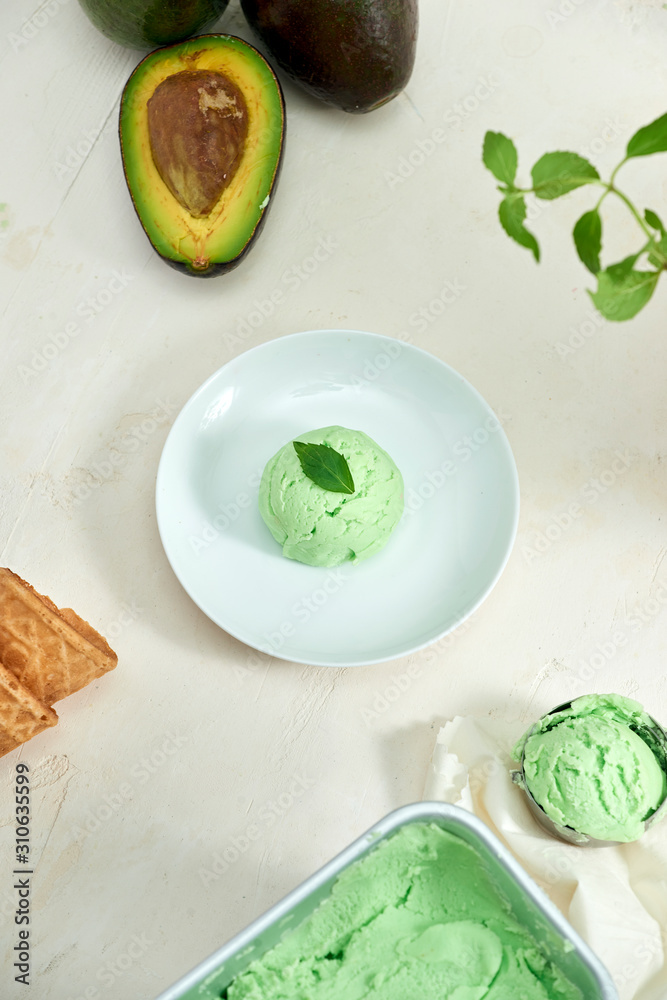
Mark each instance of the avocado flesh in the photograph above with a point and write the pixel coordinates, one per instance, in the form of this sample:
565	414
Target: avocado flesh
145	24
354	54
198	220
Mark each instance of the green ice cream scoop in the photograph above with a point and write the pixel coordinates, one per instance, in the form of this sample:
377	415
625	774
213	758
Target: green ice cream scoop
588	767
325	528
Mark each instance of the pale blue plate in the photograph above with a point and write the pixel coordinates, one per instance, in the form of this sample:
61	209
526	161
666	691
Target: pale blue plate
461	493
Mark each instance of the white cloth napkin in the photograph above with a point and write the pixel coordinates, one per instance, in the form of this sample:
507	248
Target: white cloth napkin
615	897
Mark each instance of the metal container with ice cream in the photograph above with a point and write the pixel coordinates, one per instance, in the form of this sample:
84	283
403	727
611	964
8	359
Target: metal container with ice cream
427	903
595	770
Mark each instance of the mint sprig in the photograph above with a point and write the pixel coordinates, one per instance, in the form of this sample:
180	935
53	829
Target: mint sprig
623	289
325	466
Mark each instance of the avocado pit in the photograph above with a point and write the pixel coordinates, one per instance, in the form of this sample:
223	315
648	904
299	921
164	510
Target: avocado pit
197	128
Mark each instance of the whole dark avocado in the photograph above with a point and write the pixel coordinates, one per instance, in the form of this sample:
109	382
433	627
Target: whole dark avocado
202	124
354	54
147	24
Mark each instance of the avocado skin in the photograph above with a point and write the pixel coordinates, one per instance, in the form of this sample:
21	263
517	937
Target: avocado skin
354	54
149	24
188	48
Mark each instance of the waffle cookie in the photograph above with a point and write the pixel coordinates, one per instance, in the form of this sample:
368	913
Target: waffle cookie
46	653
22	716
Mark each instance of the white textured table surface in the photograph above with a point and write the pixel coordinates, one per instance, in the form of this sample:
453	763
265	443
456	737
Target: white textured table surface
168	762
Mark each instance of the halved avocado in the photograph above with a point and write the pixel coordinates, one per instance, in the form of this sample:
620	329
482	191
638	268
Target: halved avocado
202	125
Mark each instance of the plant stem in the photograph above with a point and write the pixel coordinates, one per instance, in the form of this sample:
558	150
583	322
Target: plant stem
602	197
616	170
633	210
611	187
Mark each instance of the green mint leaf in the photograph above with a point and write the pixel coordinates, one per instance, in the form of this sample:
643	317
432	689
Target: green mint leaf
587	235
649	139
622	298
500	156
326	467
653	221
555	174
512	212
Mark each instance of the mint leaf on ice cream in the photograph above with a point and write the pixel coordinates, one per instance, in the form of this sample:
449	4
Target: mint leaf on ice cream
325	466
